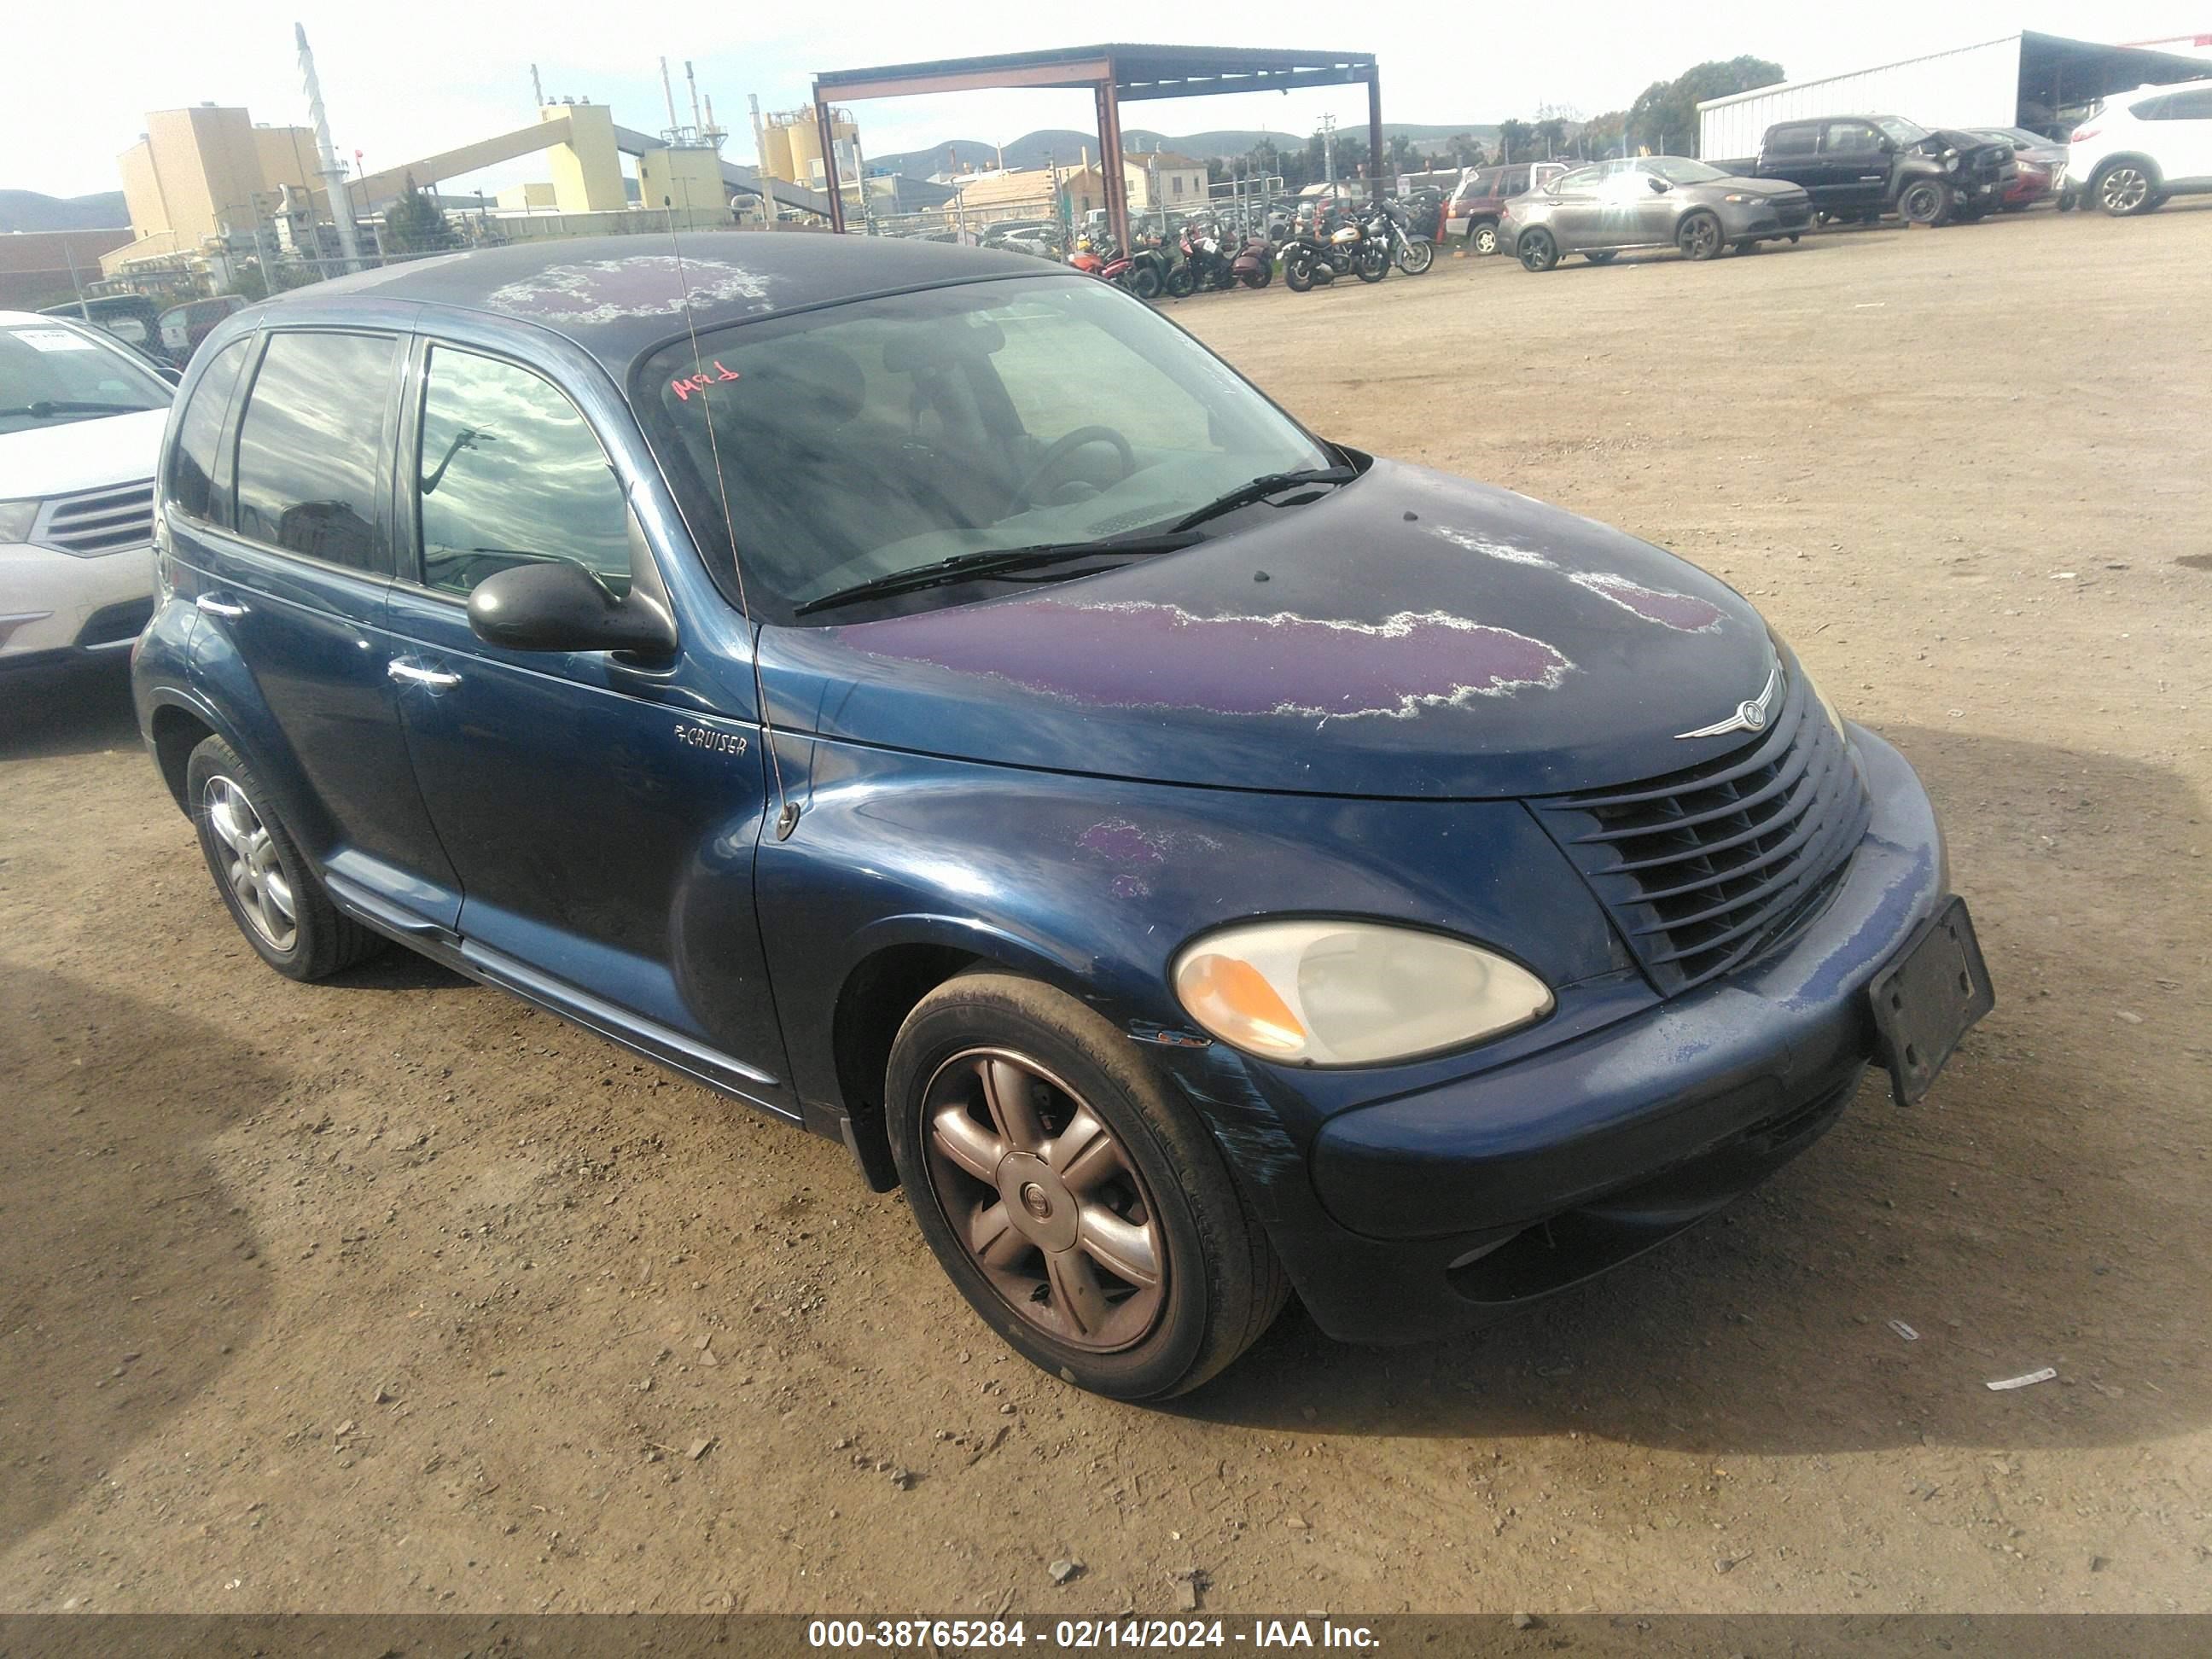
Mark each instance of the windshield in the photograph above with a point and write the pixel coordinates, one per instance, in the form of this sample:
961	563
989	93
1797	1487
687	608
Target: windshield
51	374
1681	170
1904	132
869	438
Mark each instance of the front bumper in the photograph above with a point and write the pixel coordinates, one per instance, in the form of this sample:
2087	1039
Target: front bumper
1436	1209
56	608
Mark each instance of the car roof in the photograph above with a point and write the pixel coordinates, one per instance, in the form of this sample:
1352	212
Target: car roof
618	297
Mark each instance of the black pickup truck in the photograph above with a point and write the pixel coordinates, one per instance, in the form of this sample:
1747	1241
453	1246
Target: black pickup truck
1861	167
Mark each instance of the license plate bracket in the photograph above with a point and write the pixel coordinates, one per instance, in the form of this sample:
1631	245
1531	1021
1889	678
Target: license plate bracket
1927	998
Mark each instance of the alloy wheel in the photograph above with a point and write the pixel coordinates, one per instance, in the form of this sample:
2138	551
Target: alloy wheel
250	864
1045	1199
1485	239
1701	237
2123	189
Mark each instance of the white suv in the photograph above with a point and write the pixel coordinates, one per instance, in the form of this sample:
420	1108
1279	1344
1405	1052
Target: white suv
81	420
2141	147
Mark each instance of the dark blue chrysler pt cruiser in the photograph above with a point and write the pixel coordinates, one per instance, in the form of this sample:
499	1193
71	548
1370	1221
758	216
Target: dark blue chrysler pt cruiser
930	698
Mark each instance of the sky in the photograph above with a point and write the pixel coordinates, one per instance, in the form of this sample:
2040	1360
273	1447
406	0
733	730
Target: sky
405	78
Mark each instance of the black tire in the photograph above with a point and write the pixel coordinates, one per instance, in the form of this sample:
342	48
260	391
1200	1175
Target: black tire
1750	247
2016	206
1372	263
1794	236
1180	284
1297	270
2067	201
1699	236
1415	258
1964	214
1603	256
1925	201
320	941
2124	188
1219	1282
1482	239
1262	276
1144	282
1536	250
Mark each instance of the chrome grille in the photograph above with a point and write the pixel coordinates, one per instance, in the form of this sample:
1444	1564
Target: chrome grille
98	521
1707	868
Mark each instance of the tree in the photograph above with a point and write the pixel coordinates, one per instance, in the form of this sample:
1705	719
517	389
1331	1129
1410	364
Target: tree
1552	133
1466	150
415	224
1514	139
1601	136
1402	158
1664	117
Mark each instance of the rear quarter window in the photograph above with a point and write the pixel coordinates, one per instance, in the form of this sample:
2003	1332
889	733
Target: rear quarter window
310	445
1791	140
191	486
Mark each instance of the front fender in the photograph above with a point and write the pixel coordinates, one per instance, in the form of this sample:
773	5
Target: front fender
1092	885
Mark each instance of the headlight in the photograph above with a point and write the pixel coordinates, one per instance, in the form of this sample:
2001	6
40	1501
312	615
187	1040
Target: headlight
17	518
1351	992
1735	198
1950	161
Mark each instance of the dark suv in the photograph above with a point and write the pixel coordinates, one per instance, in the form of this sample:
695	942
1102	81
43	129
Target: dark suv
926	696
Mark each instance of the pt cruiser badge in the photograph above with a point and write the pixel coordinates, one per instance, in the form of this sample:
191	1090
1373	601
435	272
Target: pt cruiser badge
1748	716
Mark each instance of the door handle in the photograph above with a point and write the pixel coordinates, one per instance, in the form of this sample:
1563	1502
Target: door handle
216	607
411	673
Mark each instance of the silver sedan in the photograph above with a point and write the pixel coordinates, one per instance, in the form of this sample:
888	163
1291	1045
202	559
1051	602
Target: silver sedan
1650	201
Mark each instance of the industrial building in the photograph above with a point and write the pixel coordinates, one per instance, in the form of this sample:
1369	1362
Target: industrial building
2026	80
45	267
1153	181
194	172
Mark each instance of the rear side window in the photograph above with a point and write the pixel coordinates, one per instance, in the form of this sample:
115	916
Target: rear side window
191	484
510	473
1791	140
307	449
2192	105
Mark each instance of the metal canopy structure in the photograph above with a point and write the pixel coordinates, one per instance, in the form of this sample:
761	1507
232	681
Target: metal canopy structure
1114	74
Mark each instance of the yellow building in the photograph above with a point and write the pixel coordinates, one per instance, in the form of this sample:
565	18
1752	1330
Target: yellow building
791	147
1155	180
194	170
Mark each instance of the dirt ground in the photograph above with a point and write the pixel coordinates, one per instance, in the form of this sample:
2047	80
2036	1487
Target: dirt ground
390	1293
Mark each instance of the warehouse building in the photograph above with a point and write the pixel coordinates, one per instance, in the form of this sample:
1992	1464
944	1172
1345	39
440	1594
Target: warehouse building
2026	79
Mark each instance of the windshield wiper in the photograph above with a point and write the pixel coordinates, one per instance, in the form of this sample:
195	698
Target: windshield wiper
995	562
46	410
1259	489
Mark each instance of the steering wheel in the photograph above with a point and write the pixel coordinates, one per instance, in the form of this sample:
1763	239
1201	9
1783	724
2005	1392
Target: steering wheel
1068	446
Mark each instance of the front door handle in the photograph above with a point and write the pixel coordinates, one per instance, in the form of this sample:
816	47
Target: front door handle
216	607
411	673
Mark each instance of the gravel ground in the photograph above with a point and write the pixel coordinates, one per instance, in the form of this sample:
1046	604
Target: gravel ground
390	1293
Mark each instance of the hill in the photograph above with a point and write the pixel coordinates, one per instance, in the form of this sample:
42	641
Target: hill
26	210
1067	145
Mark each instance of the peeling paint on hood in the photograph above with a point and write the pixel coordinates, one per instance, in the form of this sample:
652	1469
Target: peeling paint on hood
1350	646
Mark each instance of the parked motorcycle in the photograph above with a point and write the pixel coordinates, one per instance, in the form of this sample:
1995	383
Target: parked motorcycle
1254	264
1317	258
1210	268
1411	254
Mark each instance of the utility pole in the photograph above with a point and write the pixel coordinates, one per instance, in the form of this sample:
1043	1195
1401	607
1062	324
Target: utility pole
537	90
334	173
1328	155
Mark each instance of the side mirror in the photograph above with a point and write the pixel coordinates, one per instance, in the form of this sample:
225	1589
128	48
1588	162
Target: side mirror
559	606
1886	145
1659	187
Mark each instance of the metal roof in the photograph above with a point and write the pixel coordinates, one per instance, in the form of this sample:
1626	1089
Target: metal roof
619	296
1137	70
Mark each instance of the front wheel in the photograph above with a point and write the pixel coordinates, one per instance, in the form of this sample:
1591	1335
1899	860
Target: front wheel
1483	239
2124	190
265	884
1372	263
1925	201
1699	237
1746	247
1414	258
1603	256
1144	282
1180	284
1082	1211
1536	250
1297	270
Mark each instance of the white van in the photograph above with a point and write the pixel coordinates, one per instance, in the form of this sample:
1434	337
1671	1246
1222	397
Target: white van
80	420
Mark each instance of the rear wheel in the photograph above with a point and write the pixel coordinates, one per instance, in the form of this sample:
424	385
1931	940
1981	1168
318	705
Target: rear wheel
264	882
1180	284
1603	256
1144	281
1085	1214
1925	201
1747	247
1372	263
2124	189
1260	277
1699	237
1536	250
1483	239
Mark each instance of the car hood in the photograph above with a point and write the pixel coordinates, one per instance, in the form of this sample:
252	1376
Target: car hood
68	456
1410	635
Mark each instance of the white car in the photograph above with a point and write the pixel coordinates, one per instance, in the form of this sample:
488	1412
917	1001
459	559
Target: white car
81	420
2139	147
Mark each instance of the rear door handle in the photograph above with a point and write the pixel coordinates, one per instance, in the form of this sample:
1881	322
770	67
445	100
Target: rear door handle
413	673
216	607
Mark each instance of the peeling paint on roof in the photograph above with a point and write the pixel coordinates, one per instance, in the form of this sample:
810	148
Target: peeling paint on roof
1144	654
644	285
